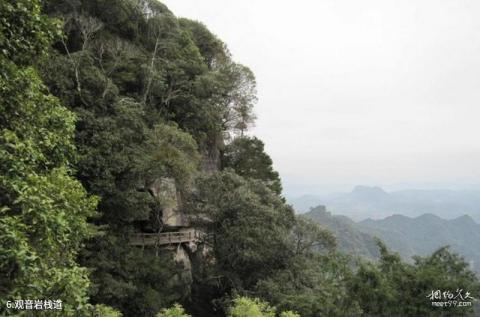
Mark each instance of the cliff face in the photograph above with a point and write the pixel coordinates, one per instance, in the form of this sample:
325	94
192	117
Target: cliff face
155	97
169	200
192	255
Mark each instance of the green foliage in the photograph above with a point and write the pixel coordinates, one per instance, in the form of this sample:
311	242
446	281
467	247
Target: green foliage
43	210
126	67
105	311
110	151
169	152
314	280
395	288
175	311
136	282
260	247
309	235
153	96
289	314
247	157
311	285
24	32
246	307
254	307
149	96
243	215
373	291
132	156
211	48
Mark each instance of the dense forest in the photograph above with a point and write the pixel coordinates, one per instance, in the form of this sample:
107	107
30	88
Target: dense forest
103	100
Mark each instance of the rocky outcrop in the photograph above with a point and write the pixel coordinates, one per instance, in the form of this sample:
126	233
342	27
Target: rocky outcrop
190	255
165	191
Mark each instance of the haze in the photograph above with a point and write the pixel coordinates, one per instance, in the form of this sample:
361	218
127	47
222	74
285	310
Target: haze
359	92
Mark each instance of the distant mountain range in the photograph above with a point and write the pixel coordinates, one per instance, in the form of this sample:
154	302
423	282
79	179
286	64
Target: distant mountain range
407	236
373	202
350	238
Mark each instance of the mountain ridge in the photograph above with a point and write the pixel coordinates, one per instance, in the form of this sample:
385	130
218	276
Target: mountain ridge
373	202
409	236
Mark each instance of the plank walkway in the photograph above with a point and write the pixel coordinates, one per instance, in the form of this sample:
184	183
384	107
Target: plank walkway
165	238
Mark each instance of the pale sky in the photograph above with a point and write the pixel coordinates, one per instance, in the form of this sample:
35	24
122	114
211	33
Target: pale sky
373	92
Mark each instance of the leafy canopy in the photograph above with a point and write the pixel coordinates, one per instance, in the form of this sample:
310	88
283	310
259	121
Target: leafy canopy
247	157
43	209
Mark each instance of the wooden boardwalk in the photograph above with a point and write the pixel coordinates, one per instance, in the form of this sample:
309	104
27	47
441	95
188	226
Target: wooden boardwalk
165	238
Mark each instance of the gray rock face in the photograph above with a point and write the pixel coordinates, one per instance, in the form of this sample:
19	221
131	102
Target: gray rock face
181	257
165	191
183	275
190	255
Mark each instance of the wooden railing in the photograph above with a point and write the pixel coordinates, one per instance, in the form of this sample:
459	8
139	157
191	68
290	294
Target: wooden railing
163	238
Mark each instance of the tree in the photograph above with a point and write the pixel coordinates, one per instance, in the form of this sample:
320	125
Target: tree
374	291
247	157
442	270
251	226
289	314
241	98
246	307
260	247
308	236
212	49
395	288
135	67
175	311
105	311
315	280
169	152
24	33
254	307
43	209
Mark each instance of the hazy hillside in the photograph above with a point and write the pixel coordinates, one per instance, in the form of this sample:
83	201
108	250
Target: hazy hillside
304	203
424	234
349	238
373	202
408	236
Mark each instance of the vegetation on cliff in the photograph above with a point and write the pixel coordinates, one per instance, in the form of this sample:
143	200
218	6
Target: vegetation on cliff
43	209
128	94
